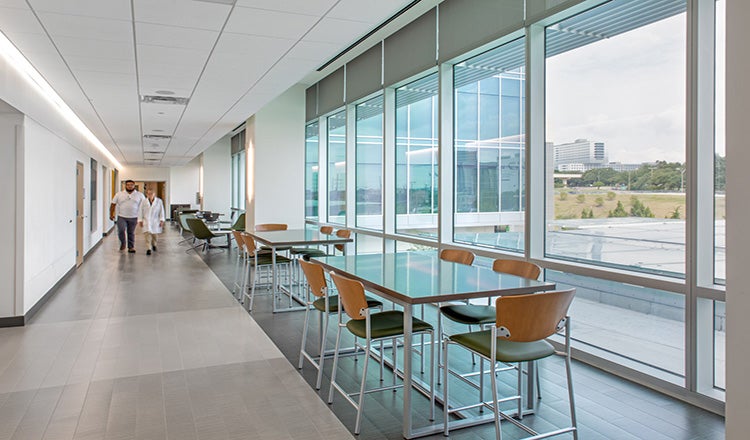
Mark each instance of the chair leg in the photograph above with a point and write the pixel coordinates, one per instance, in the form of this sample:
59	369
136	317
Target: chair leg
335	365
571	397
520	387
361	402
322	358
446	402
481	381
495	409
304	337
432	375
439	343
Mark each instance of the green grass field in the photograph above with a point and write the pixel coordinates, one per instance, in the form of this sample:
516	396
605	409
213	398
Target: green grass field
662	205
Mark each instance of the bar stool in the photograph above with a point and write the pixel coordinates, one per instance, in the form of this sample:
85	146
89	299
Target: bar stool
326	304
372	327
523	322
239	267
257	259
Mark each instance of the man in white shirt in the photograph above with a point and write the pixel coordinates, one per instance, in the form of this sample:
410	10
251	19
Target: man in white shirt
125	205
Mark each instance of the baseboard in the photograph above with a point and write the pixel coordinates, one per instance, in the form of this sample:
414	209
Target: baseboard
50	293
12	321
93	248
108	231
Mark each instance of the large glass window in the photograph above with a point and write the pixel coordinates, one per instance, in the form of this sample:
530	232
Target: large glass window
369	175
720	175
615	120
337	167
489	148
311	170
653	339
416	157
239	166
720	338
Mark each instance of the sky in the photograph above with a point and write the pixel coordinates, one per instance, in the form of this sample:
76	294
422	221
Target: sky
627	91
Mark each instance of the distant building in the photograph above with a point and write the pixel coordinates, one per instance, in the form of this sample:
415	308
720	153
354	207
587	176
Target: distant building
581	155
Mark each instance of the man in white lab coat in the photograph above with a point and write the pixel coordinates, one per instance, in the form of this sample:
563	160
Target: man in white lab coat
151	219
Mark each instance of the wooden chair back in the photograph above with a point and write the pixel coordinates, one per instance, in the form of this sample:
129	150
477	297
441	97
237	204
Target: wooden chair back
351	295
532	317
342	233
457	256
315	277
271	227
328	230
250	246
519	268
238	239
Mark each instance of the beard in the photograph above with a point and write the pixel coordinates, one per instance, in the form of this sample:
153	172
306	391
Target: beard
129	190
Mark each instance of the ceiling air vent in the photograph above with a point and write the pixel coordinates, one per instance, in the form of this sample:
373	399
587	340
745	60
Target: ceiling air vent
157	137
155	99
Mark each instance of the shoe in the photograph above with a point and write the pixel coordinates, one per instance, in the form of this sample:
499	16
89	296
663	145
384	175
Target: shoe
131	251
122	247
148	252
154	248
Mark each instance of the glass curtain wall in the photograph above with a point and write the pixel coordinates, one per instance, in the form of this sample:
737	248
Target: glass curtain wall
720	178
337	168
369	175
489	144
416	157
615	117
312	134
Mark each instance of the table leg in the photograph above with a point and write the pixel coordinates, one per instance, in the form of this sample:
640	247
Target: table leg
273	277
407	370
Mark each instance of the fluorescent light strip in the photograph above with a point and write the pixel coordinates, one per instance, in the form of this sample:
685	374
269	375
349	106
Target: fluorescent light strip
11	54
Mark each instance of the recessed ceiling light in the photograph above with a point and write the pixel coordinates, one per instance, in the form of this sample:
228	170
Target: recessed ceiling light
158	131
165	92
159	113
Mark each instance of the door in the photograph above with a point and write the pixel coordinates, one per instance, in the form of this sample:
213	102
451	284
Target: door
79	213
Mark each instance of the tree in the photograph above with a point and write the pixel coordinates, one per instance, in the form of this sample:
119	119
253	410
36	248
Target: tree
619	211
676	213
611	195
563	195
581	198
599	201
638	209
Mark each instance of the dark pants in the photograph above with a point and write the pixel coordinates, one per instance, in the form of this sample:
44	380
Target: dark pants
126	224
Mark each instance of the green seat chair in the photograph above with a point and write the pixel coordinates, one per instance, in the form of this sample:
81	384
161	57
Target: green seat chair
325	304
522	325
201	232
255	261
372	327
239	224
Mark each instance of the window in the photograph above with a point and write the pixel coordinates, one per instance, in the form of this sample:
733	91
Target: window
720	178
720	336
653	341
311	170
489	148
337	168
369	175
615	118
239	166
416	157
92	199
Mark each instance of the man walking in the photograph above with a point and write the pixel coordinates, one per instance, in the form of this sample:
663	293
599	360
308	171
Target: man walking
125	206
151	219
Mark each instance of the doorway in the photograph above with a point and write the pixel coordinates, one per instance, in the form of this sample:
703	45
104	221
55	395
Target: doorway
79	213
160	188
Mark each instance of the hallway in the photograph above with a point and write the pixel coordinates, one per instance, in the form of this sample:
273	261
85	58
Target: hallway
151	347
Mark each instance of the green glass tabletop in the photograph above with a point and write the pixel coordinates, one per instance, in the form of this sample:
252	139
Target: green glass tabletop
422	277
295	237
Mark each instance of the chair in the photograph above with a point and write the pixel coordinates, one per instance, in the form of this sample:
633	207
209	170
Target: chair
239	224
256	259
182	217
371	327
308	252
342	233
472	314
326	304
241	256
457	256
523	322
201	232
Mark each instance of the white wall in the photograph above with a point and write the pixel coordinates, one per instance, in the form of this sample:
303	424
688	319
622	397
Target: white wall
9	123
279	141
49	252
183	183
217	177
738	216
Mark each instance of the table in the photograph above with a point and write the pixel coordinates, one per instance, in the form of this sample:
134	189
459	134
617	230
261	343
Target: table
292	237
414	278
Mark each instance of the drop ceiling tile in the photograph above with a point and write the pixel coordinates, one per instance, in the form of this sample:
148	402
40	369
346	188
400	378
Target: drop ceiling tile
191	14
308	7
334	30
190	59
269	23
117	9
18	4
87	27
14	20
313	50
106	50
78	64
173	36
254	46
89	79
370	12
